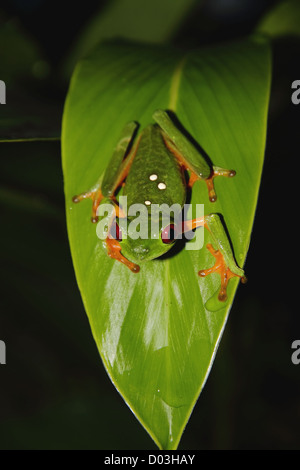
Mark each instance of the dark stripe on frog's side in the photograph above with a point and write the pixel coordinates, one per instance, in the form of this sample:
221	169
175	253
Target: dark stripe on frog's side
153	158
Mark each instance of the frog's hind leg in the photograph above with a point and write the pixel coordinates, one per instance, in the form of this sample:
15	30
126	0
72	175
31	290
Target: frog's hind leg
205	173
95	195
115	173
188	155
216	171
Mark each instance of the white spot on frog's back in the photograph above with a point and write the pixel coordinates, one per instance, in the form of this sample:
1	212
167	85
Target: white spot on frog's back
161	185
147	203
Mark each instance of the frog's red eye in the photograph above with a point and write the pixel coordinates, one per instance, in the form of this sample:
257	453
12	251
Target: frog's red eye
116	232
168	234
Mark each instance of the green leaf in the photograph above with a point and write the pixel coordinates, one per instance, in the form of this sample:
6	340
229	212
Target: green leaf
158	331
282	20
151	21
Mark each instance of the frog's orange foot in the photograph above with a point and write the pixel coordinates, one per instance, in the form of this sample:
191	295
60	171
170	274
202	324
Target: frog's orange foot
114	251
216	171
96	196
221	268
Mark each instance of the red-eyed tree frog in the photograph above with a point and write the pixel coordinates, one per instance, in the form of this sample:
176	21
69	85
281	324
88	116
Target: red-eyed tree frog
151	169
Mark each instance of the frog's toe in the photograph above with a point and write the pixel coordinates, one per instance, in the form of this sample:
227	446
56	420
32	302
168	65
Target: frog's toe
96	196
216	171
223	270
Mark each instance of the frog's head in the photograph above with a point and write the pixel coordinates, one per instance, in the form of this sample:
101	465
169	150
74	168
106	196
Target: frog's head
147	245
137	239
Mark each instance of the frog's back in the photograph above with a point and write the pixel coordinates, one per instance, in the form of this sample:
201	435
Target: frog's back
155	175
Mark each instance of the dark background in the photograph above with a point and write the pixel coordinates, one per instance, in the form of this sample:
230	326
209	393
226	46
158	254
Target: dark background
54	391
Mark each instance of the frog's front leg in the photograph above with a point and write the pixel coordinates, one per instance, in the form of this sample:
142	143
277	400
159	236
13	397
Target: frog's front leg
225	264
113	235
115	173
114	251
188	155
